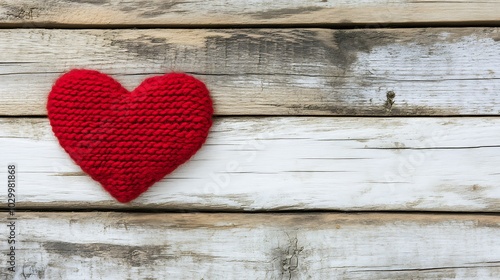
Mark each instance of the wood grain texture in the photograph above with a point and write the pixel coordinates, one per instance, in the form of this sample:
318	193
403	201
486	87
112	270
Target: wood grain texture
393	72
57	13
287	163
255	246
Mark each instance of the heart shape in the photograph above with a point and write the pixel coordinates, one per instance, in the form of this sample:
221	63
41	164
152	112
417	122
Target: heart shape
125	140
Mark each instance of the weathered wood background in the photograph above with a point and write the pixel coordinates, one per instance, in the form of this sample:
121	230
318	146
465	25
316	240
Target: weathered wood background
321	106
272	71
175	13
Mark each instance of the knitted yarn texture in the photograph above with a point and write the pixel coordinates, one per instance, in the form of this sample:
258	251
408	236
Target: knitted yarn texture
125	140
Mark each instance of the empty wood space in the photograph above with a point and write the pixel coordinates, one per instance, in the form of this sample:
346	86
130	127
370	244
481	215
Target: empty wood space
288	163
103	245
351	140
158	13
369	72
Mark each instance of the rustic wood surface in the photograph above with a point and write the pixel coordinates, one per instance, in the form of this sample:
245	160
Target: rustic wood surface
255	246
288	163
80	13
308	120
382	72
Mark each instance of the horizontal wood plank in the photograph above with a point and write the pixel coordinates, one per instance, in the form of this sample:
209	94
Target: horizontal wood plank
395	72
287	163
58	13
253	246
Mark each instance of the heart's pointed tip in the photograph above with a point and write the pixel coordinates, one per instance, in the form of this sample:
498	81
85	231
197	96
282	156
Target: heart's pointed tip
124	198
122	195
124	201
124	191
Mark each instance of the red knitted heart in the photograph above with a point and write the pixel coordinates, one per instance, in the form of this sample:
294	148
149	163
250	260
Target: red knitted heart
125	140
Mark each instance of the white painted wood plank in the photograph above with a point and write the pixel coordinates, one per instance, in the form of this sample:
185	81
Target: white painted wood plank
287	163
50	13
254	246
272	71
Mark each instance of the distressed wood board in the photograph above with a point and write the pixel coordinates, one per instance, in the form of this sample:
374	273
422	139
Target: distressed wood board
379	72
287	163
79	13
270	163
254	246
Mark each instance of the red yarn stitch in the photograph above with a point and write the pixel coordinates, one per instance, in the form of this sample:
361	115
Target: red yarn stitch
125	140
